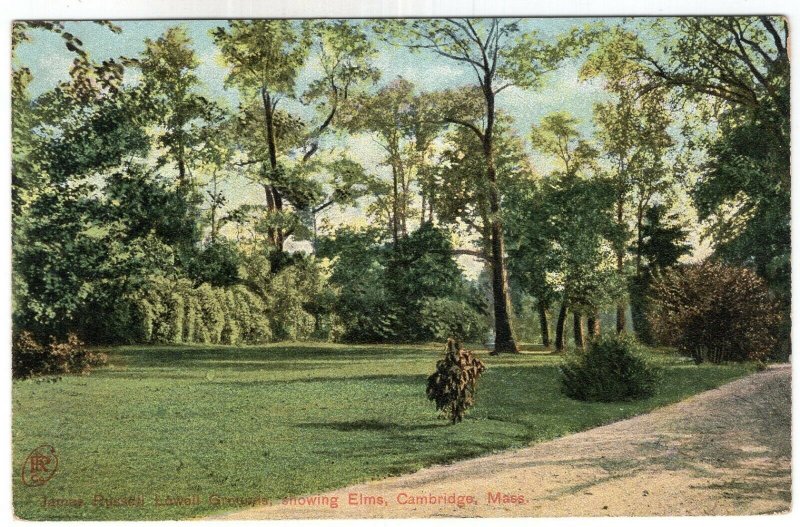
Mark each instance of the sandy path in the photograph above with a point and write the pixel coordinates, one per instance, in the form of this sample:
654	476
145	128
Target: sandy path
725	451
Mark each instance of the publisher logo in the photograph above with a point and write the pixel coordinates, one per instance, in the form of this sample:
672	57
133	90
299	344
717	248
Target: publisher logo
40	466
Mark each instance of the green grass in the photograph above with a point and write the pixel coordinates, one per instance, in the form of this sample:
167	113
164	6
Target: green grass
285	420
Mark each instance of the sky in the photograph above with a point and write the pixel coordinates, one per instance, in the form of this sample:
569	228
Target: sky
49	62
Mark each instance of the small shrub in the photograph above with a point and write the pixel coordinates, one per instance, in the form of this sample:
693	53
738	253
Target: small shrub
31	359
452	385
714	313
609	371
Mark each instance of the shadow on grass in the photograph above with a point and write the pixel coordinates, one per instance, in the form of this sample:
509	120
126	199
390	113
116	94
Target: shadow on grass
372	425
276	357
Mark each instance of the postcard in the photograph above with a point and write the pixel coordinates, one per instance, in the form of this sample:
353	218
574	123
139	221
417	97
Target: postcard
322	268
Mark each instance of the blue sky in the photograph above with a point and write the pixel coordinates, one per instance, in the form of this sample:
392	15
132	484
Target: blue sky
49	62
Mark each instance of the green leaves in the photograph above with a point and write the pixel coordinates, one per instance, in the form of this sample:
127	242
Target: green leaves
345	54
558	136
263	54
610	371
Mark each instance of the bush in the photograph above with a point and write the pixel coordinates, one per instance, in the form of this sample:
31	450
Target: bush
452	385
30	359
609	371
714	312
443	318
286	300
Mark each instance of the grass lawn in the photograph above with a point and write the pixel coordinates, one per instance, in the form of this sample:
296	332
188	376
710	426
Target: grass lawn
281	420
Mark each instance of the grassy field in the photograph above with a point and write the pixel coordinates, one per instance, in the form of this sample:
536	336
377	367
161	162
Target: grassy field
282	420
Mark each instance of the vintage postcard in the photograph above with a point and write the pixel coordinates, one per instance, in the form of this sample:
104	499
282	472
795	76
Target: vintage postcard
320	268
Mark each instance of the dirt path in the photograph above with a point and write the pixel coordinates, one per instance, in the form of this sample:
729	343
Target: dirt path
722	452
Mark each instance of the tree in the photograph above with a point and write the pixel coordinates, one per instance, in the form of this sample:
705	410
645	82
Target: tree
420	269
733	71
409	291
265	57
87	80
561	229
559	137
500	57
662	244
632	130
398	117
169	82
561	235
358	274
73	260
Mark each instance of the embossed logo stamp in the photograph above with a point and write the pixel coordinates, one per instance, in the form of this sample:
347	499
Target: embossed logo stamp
40	466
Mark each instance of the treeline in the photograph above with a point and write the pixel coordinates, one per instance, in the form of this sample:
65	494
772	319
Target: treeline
125	226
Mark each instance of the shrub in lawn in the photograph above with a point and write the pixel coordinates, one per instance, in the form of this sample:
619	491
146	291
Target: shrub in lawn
611	370
30	359
714	312
452	385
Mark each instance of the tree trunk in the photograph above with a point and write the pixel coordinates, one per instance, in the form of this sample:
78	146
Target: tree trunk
593	323
181	169
561	323
620	270
274	200
404	199
395	205
213	224
639	238
543	324
621	308
577	330
504	334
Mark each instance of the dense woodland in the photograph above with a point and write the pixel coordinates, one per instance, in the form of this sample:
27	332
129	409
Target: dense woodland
124	229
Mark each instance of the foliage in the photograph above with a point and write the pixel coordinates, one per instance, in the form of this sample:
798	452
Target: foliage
611	370
31	359
745	194
500	56
714	312
732	72
561	229
298	298
421	265
452	386
186	121
216	263
174	311
265	58
663	243
110	170
403	124
443	318
411	291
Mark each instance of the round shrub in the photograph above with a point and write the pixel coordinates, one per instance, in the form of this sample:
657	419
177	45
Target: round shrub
610	370
452	385
714	312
